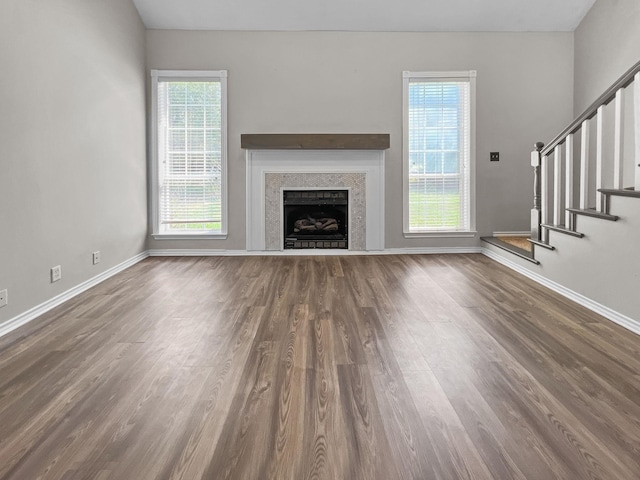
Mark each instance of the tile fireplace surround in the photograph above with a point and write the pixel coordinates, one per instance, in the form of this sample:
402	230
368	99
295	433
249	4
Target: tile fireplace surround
271	170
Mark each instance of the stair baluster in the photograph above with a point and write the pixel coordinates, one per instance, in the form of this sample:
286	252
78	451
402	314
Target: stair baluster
584	165
557	185
636	108
618	142
599	157
568	188
536	218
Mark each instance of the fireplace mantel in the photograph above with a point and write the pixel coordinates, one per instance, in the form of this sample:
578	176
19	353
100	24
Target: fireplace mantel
315	141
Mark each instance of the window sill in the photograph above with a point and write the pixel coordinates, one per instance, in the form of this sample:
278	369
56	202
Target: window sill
189	236
436	234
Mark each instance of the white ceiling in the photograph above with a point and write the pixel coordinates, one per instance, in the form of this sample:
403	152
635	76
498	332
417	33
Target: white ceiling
366	15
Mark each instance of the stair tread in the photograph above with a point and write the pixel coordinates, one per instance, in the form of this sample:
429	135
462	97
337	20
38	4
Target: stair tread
592	212
519	252
562	229
625	192
542	244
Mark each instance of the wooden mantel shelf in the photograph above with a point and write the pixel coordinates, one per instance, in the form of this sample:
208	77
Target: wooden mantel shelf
315	141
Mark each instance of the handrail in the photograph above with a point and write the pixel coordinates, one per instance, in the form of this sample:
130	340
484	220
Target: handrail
590	112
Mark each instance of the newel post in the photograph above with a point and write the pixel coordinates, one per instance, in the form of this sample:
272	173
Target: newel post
536	163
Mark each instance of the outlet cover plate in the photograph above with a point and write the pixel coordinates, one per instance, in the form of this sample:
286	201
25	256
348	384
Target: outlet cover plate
96	257
494	156
4	297
56	273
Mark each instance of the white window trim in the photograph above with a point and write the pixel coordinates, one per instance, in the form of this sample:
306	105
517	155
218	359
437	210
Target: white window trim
217	75
469	75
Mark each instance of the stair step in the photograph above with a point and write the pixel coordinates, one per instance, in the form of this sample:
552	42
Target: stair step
627	192
542	244
519	252
561	229
592	212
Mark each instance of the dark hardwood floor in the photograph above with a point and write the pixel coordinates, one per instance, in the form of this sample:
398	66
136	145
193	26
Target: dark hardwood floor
351	367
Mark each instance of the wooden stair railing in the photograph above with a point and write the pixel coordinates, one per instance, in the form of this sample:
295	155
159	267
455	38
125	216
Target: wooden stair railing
571	155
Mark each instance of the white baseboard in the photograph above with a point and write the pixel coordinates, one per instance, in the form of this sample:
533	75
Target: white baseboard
430	250
190	252
38	310
622	320
307	252
616	317
44	307
511	234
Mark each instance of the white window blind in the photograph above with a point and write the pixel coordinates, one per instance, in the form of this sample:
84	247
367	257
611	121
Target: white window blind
191	150
437	152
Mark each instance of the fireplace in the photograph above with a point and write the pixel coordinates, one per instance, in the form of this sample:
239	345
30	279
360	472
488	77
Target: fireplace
315	219
358	172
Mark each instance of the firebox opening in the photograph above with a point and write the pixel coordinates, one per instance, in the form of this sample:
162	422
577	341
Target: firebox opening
315	219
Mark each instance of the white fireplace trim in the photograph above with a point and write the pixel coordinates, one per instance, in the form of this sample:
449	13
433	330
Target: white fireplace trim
368	162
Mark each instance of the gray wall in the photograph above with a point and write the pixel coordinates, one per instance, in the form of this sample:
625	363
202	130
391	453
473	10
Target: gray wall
72	143
320	82
607	44
605	265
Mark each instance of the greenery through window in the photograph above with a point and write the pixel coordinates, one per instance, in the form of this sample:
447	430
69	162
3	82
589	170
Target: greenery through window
437	154
190	155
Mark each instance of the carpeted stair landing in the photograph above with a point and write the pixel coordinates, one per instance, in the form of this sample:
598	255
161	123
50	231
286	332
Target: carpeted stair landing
519	246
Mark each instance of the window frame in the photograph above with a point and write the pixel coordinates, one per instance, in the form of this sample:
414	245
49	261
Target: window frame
470	77
158	76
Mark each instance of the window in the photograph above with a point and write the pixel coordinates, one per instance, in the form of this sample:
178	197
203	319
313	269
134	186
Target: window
438	152
189	154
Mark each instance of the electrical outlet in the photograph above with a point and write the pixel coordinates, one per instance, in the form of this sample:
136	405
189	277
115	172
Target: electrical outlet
56	273
4	297
494	156
96	257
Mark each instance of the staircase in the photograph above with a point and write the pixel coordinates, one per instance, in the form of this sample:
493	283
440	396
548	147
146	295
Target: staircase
596	158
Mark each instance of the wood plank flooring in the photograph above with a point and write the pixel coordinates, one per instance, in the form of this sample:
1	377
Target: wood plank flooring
320	367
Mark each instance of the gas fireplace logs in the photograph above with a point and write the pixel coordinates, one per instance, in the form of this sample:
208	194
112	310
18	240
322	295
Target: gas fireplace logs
310	224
